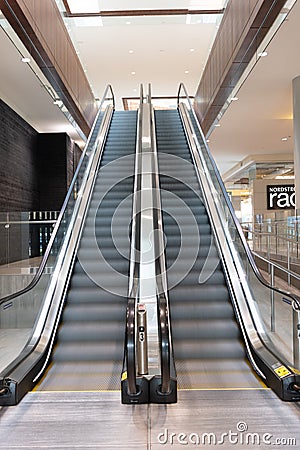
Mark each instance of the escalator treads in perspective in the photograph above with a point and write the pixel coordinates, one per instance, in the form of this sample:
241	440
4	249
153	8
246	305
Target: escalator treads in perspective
208	350
88	352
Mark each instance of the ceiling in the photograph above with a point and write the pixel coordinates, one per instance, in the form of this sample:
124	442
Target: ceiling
163	51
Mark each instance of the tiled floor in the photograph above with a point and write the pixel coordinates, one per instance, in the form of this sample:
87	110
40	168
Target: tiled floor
252	419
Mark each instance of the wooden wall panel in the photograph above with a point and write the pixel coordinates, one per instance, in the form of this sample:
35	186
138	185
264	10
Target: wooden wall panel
42	30
244	25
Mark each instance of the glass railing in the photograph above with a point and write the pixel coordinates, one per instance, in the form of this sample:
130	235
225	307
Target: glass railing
24	238
21	314
277	309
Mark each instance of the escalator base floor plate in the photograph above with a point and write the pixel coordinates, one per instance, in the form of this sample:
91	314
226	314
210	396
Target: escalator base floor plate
83	376
212	374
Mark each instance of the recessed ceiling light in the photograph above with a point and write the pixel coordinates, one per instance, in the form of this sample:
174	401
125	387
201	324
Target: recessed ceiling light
217	125
262	54
132	73
90	6
284	139
25	59
130	51
186	71
234	99
192	49
58	102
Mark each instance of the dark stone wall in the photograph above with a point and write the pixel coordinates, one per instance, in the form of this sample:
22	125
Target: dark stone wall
36	170
18	169
52	169
58	157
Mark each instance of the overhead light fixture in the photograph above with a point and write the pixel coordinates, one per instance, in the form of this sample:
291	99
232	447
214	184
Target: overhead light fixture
262	54
217	125
192	49
186	71
284	139
88	6
234	99
130	51
25	59
58	102
132	73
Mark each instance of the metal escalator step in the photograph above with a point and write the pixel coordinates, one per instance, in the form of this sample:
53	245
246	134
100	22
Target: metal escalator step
184	329
91	266
102	220
198	293
105	277
184	213
212	278
209	349
89	351
204	251
106	253
94	312
197	260
203	229
87	331
201	310
96	295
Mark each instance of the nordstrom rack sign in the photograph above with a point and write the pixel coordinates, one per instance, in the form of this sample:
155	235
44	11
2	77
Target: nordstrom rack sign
281	196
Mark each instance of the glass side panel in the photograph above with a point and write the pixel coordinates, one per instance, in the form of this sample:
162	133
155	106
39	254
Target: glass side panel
20	312
24	238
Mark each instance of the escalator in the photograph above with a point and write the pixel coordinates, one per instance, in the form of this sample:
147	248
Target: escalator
219	340
90	341
207	344
143	169
76	304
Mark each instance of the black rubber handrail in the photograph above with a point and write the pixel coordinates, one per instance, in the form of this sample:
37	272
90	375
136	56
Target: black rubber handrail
87	148
296	300
163	309
134	270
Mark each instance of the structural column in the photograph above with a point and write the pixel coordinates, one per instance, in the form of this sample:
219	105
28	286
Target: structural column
296	125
